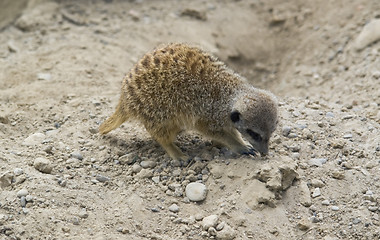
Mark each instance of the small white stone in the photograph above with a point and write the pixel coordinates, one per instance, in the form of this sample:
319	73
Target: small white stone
335	208
326	202
18	171
196	191
317	161
43	165
22	193
148	164
44	76
34	139
209	221
174	208
316	192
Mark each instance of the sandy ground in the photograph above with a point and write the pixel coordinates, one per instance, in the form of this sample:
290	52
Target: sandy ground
61	66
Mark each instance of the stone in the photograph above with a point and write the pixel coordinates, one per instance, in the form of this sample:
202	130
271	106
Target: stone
43	165
326	202
317	161
102	178
210	221
220	226
76	154
83	214
128	159
286	130
316	193
6	179
227	233
34	139
156	179
174	208
196	191
369	34
337	174
335	208
136	168
23	201
304	198
144	173
148	164
317	183
22	193
44	76
303	224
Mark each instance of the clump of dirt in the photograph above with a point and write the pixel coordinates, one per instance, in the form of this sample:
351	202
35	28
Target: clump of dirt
62	63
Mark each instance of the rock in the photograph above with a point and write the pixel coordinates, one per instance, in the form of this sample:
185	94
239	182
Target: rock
369	34
326	202
196	191
303	224
128	159
227	233
145	173
4	120
317	161
76	154
376	74
338	174
43	165
6	179
286	130
304	198
22	193
102	178
44	76
136	168
209	221
148	164
23	201
174	208
34	139
18	171
12	47
156	179
335	208
317	183
83	214
316	193
220	226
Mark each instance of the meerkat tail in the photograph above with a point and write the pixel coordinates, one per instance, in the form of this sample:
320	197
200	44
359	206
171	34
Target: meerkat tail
118	118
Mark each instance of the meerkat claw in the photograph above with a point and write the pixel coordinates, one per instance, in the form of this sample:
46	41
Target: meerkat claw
250	151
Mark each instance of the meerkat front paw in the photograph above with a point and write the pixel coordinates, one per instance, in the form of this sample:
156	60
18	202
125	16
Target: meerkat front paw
249	151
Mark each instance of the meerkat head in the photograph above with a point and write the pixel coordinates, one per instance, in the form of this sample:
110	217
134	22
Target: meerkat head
254	115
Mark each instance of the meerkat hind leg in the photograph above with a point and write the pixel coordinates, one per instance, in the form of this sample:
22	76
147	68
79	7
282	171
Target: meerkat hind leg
165	137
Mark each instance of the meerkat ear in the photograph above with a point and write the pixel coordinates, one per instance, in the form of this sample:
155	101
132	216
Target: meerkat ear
235	116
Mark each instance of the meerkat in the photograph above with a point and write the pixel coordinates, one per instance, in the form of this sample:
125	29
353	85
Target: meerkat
179	87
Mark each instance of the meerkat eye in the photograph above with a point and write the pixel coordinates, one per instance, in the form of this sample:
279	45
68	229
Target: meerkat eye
235	116
254	135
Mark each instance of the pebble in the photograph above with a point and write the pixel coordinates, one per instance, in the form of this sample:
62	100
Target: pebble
196	191
156	179
369	34
317	161
34	139
6	179
227	233
347	136
286	130
128	159
43	165
303	224
102	178
317	183
329	114
209	221
376	74
18	171
174	208
338	174
326	202
83	214
22	193
23	201
148	164
136	168
335	208
373	208
316	193
220	226
76	154
44	76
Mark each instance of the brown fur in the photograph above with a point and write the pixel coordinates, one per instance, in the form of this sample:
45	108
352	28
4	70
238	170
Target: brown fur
178	87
